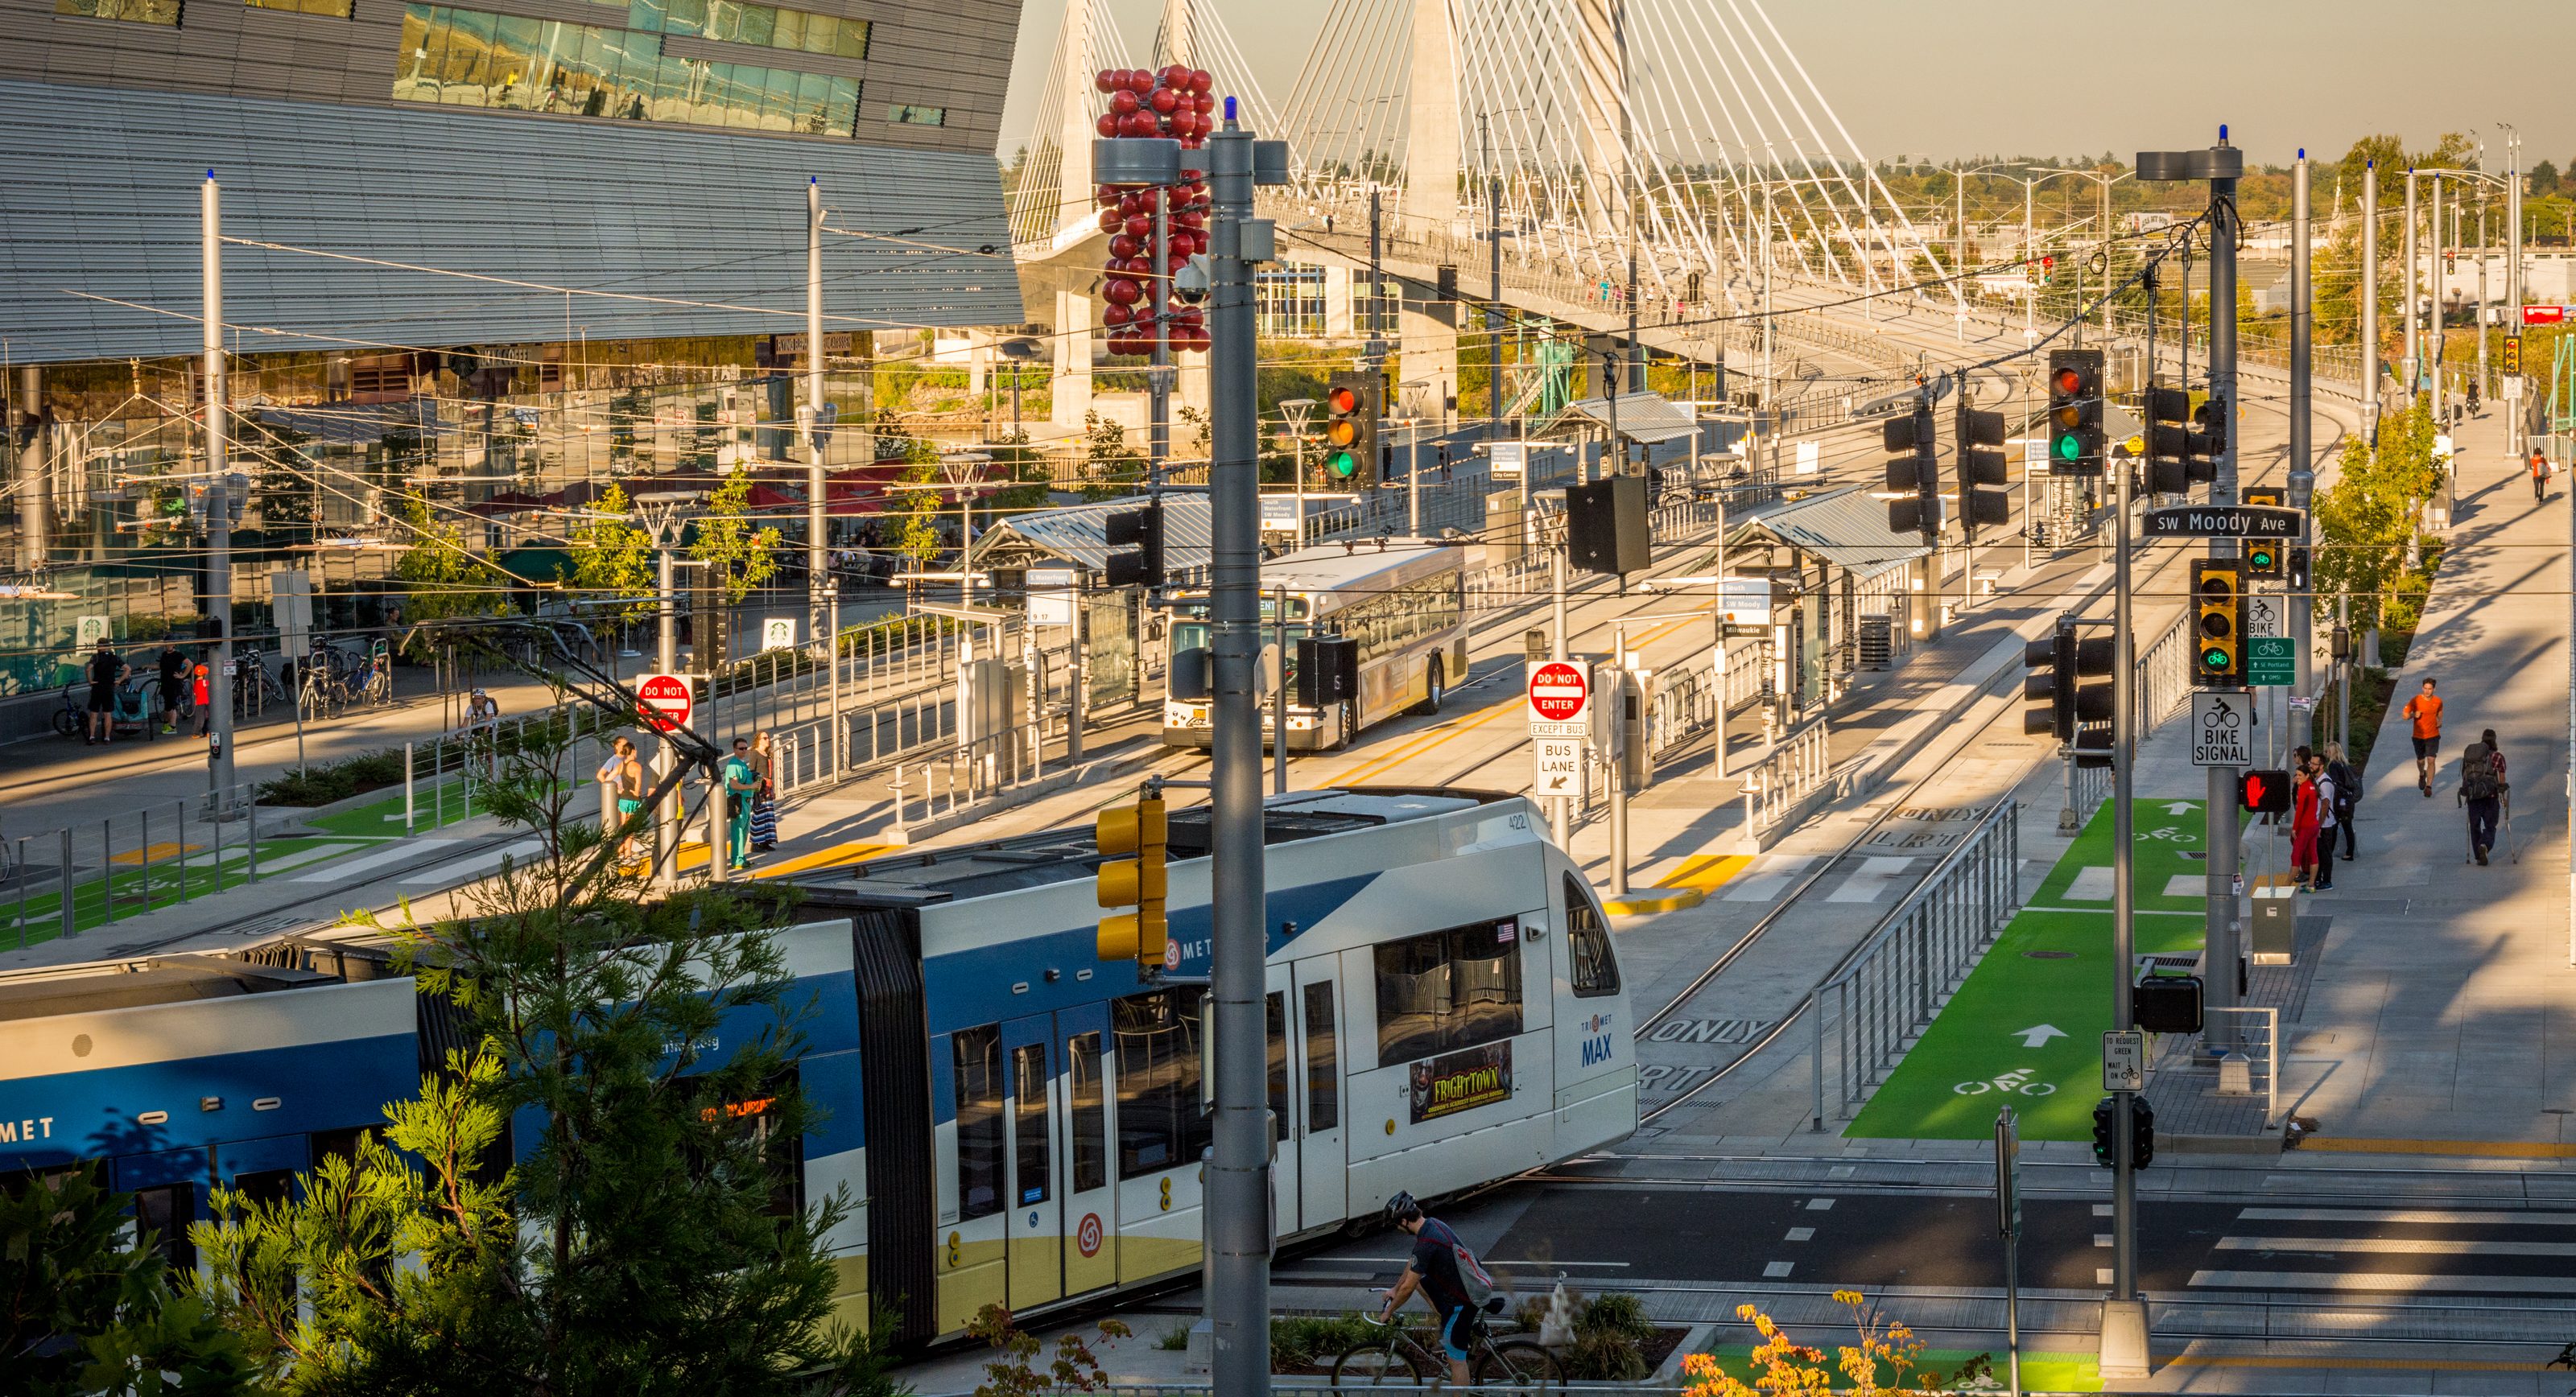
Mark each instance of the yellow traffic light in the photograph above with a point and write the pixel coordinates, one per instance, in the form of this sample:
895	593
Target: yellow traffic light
2218	598
1131	840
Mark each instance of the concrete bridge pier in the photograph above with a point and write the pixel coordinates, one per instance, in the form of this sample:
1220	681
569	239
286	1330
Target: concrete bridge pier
1072	383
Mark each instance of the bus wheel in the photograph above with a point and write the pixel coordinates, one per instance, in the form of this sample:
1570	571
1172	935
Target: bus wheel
1432	691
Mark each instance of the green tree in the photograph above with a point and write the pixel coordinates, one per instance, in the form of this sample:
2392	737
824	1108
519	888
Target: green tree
741	556
2370	522
648	1240
612	559
1113	468
70	1268
442	578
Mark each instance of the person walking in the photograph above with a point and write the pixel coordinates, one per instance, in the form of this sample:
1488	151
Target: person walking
2424	711
2539	477
201	691
105	671
741	785
2347	790
2303	829
2321	860
174	667
764	802
2482	794
622	778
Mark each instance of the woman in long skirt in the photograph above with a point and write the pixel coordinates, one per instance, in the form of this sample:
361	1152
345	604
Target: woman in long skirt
764	806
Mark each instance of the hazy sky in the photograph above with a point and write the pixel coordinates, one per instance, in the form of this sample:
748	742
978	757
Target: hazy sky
1976	77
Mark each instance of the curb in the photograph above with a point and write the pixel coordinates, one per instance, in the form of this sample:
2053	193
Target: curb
1653	900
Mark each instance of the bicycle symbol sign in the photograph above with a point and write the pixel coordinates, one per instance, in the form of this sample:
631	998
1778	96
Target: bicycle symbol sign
2021	1081
2218	729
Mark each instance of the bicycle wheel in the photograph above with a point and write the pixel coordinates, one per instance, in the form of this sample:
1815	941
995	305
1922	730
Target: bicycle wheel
1378	1363
67	721
1517	1365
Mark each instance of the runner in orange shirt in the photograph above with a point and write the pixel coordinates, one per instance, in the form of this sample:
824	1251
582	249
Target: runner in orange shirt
2426	711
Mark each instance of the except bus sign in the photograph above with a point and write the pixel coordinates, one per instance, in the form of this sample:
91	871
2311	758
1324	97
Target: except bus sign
1558	693
2544	315
663	701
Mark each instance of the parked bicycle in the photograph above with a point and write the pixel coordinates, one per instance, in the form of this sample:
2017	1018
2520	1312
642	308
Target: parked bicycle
132	714
1397	1357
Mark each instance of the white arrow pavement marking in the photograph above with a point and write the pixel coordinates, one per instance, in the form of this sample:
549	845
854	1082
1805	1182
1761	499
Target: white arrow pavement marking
2180	807
2038	1037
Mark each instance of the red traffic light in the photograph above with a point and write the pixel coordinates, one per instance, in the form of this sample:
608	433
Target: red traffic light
2264	792
2070	382
1342	400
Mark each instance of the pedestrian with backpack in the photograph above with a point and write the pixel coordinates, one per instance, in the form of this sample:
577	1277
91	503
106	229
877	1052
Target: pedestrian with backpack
2321	860
2303	827
2347	789
2482	792
1453	1283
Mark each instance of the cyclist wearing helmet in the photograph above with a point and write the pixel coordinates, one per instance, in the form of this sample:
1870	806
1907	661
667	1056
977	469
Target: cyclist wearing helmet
1433	1271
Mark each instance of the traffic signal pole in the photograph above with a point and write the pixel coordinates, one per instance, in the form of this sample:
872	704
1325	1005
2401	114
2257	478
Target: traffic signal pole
2223	836
1238	1226
219	507
2125	1304
2303	473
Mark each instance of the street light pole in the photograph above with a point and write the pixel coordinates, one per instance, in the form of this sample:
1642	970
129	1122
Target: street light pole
815	568
2370	301
2303	474
2414	340
219	504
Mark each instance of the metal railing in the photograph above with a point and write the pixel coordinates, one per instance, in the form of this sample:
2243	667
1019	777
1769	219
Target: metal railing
1898	978
2163	682
2262	1060
1783	775
69	880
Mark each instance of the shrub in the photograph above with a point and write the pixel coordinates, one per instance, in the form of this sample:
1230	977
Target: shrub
1610	1334
1299	1340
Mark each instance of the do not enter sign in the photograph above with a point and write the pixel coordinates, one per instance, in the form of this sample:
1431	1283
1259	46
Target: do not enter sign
664	701
1558	693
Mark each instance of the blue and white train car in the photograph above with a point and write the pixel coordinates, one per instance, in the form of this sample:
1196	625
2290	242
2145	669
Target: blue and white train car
1021	1122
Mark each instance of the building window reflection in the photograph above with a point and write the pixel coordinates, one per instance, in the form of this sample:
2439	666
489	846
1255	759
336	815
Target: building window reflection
469	58
131	11
763	26
906	114
337	9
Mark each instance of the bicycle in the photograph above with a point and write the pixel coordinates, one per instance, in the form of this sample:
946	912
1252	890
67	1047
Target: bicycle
1400	1359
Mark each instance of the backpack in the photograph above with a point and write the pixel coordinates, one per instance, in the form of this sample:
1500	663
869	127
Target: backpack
1472	1276
2477	773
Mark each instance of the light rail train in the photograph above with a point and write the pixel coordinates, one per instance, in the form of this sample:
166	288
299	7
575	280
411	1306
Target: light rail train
1020	1123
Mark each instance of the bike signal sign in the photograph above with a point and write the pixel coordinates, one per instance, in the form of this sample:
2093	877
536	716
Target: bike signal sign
1558	693
663	700
2218	729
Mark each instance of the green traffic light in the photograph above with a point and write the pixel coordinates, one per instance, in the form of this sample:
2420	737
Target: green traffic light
1343	464
2213	659
2068	447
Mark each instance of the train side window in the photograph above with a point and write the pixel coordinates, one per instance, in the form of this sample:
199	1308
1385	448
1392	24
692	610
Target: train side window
1160	1125
1090	1113
161	1218
1029	1122
1323	1063
1446	990
1594	967
979	1121
1277	1033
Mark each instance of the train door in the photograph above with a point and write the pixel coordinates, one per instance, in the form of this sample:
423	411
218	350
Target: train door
1322	1166
976	1198
1285	1190
1033	1224
1090	1206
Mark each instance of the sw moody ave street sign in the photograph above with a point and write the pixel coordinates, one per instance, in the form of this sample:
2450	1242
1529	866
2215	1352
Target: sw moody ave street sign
2223	521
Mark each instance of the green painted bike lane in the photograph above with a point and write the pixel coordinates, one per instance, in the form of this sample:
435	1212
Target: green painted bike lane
2026	1028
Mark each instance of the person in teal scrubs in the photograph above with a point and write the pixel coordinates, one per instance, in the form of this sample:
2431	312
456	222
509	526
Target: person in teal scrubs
742	783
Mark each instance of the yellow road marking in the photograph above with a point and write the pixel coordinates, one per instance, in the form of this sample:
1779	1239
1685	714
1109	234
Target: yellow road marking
1706	872
155	852
854	852
2501	1149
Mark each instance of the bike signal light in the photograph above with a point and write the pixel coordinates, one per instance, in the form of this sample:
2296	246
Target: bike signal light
2262	557
2075	440
2264	792
1132	840
2218	608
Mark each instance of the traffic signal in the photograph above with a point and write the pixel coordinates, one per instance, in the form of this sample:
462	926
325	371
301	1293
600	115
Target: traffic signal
2166	1003
2142	1131
2075	442
1328	670
2218	606
1980	449
2263	792
1350	428
2513	354
1141	529
1913	474
2263	556
1131	840
1606	529
2179	456
2060	665
2295	567
2041	270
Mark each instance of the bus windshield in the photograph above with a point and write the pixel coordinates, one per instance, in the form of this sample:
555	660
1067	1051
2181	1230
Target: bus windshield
1193	634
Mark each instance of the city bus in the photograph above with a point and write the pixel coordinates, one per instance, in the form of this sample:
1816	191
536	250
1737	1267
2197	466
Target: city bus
1402	599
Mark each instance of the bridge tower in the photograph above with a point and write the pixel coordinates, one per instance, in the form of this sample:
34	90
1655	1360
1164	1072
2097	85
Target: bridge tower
1426	327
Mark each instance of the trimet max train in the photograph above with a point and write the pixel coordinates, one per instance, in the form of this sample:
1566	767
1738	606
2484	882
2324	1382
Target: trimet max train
1020	1122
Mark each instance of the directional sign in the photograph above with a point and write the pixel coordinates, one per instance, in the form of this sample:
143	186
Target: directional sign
2271	661
1558	693
2218	729
664	701
1558	766
2037	1035
2124	1060
2223	521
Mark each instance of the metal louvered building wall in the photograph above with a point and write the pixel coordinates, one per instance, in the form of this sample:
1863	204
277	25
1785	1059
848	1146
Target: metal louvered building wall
107	128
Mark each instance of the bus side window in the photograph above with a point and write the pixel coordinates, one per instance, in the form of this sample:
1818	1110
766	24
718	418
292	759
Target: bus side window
979	1121
1592	965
